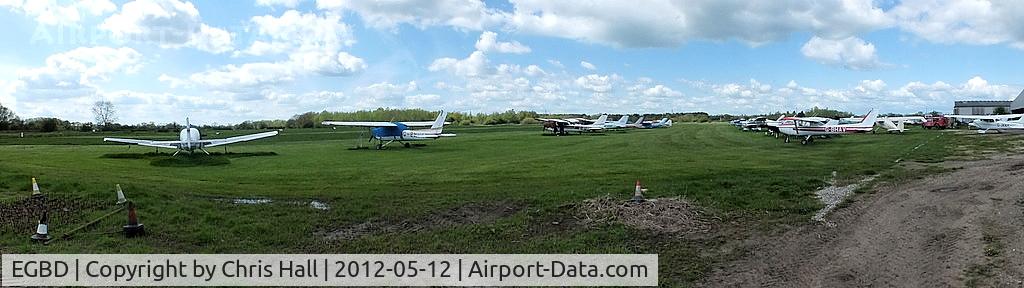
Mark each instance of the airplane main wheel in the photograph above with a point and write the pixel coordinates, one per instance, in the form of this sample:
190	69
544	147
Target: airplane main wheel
380	146
803	142
787	140
407	145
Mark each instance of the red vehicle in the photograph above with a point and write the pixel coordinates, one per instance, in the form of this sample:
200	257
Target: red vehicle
937	122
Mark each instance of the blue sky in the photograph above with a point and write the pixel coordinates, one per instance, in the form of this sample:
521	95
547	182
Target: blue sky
225	62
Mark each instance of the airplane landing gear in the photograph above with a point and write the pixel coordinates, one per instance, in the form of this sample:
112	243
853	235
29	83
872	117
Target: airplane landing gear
407	145
807	140
787	139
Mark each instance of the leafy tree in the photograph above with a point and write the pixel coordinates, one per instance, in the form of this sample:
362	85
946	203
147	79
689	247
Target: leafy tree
8	120
1000	111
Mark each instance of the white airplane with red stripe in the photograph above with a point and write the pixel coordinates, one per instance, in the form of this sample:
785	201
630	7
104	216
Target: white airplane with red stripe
808	127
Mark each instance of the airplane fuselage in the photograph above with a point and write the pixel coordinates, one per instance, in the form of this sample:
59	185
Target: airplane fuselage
793	130
189	138
402	133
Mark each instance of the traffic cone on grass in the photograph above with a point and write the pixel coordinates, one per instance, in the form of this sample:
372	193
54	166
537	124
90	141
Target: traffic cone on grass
35	189
134	228
120	195
638	193
42	230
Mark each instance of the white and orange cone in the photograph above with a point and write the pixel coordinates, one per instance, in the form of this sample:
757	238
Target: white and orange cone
638	193
120	195
42	230
35	189
134	228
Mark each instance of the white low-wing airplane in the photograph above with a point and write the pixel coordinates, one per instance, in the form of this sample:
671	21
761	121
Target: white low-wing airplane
808	127
189	139
387	132
898	124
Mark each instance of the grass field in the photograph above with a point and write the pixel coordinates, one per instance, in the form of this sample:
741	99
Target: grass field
735	175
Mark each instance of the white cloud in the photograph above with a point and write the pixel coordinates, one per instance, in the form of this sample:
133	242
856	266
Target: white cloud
50	12
465	14
313	45
597	83
285	3
556	63
851	53
168	23
386	94
488	42
587	65
246	77
75	72
476	64
665	23
979	22
870	86
534	71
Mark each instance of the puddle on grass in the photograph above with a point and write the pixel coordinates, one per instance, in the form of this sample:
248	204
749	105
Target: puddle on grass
314	204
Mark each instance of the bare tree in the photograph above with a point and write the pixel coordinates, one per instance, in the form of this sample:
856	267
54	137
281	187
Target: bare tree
105	113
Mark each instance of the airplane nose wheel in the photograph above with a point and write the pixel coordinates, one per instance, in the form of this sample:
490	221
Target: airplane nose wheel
407	145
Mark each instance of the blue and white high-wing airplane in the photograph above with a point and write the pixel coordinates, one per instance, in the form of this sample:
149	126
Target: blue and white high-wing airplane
387	132
189	140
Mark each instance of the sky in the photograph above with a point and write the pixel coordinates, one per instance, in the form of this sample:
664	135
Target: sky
230	61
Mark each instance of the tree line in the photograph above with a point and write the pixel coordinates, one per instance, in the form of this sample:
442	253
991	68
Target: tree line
105	115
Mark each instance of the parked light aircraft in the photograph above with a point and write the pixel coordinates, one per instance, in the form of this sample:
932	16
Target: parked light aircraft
663	123
638	124
622	123
189	140
1000	126
564	126
387	132
807	127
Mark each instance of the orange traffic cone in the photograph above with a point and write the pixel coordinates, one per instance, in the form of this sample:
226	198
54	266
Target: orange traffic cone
42	230
134	228
120	195
638	194
35	189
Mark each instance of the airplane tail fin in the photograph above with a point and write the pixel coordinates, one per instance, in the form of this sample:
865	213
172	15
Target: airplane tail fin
668	123
624	120
439	122
870	119
639	121
902	125
601	120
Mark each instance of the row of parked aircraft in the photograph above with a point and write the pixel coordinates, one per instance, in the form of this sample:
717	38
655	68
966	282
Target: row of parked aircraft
808	128
601	124
190	140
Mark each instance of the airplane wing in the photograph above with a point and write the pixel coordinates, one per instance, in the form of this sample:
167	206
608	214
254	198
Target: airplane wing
422	123
221	142
986	117
361	124
812	119
148	143
553	120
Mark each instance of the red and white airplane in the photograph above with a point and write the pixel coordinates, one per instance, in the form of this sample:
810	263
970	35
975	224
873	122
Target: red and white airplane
808	127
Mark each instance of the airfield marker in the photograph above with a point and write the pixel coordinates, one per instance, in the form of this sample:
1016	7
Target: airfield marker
35	189
42	234
120	195
134	228
638	193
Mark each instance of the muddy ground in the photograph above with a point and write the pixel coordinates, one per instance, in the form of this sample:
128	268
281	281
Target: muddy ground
963	228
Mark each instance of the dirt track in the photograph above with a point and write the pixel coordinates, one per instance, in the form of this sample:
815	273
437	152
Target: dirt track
962	228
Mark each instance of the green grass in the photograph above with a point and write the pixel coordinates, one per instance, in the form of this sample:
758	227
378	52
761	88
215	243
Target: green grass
736	175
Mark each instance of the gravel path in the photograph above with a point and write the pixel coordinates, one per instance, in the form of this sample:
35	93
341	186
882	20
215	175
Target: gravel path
963	228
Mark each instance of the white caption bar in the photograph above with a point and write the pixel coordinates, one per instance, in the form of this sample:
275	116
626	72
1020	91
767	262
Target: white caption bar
329	270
